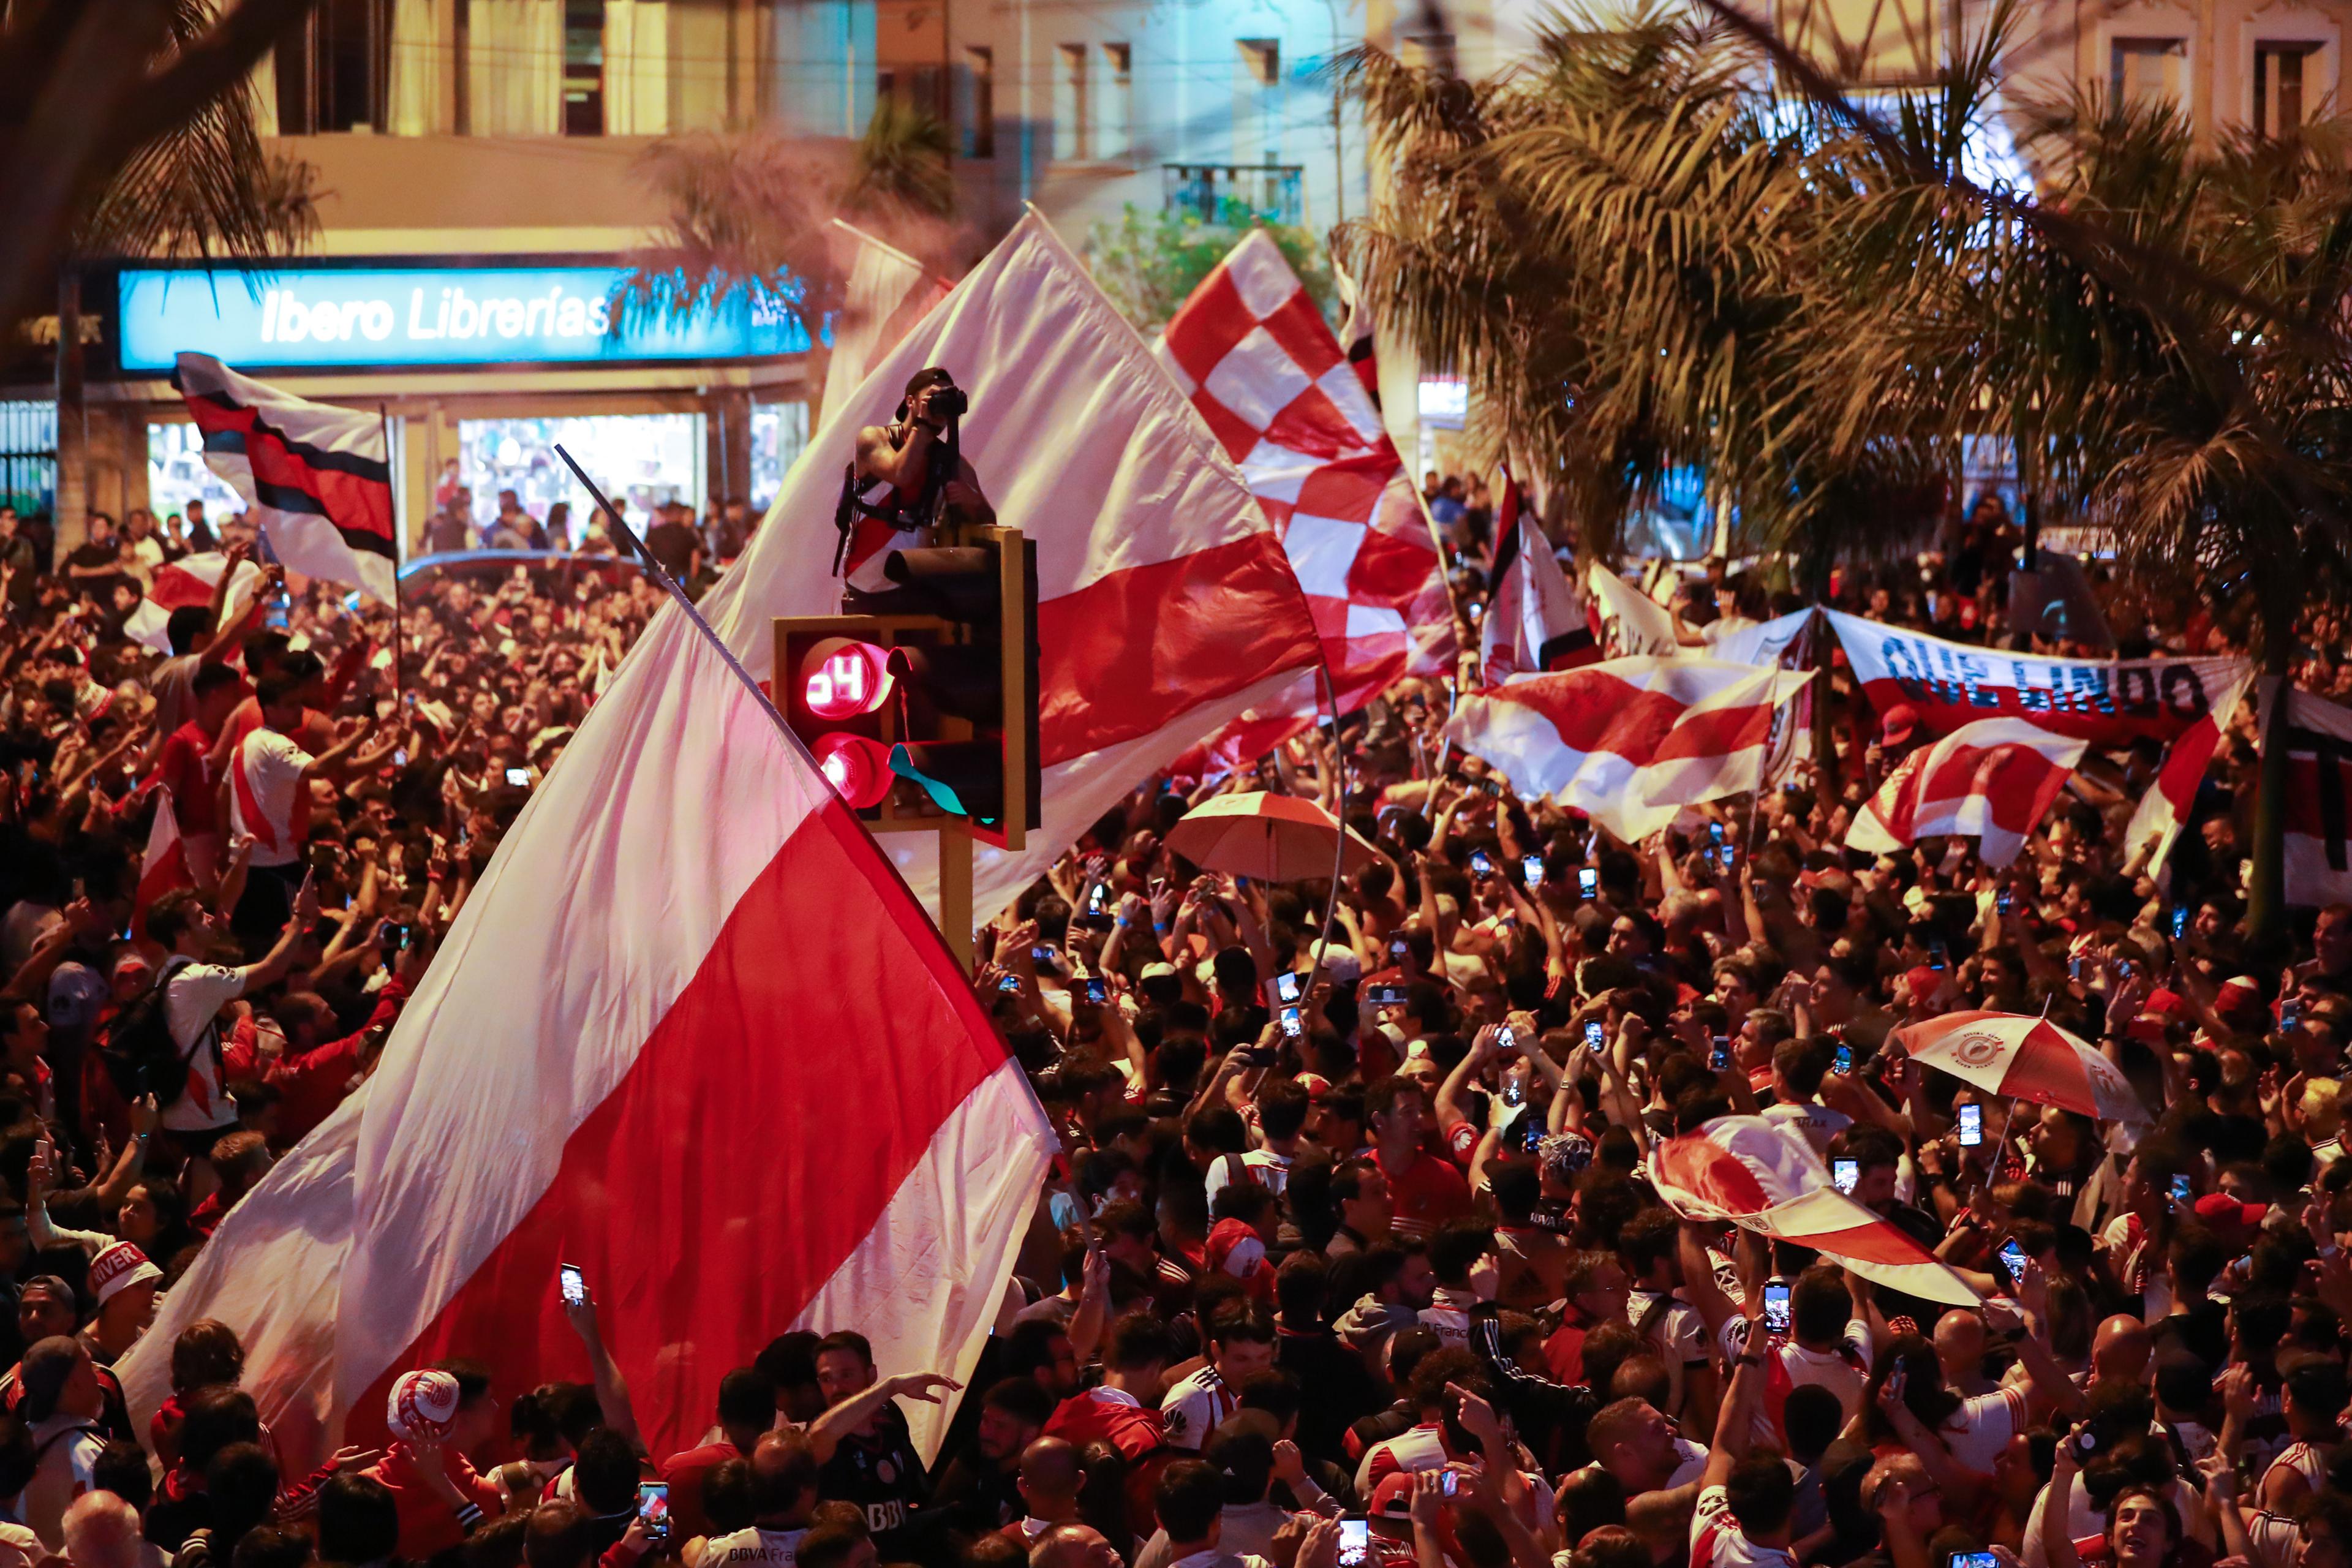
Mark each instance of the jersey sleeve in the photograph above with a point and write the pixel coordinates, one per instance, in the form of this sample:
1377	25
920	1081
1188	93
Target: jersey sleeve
1713	1512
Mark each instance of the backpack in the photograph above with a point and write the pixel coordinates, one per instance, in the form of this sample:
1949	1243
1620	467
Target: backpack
138	1053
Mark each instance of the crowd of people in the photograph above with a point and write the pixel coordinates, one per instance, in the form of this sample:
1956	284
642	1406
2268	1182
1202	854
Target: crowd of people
1352	1255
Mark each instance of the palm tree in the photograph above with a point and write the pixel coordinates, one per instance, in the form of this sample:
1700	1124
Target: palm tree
202	188
749	214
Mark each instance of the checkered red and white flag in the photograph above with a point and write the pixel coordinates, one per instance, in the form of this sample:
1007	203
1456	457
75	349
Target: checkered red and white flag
1258	360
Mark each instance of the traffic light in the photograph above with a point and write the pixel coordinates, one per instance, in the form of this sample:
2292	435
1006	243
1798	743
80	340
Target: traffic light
921	708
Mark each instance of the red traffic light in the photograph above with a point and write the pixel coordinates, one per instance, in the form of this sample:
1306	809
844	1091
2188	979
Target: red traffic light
857	768
842	678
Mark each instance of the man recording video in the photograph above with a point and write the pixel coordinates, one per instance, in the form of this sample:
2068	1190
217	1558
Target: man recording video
909	476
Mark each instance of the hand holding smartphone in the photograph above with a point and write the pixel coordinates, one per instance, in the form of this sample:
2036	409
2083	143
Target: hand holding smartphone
574	1284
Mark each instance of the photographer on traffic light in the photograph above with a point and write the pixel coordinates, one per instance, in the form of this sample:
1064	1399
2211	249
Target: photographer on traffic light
908	478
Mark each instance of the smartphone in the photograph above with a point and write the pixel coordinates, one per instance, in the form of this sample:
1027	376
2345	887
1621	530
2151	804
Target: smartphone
1844	1065
1291	1027
573	1283
2290	1013
1531	1133
1596	1039
2004	901
1938	955
1971	1126
2086	1443
1008	983
1719	1058
2077	967
1531	867
2012	1258
1588	882
1448	1481
1846	1175
1513	1094
1399	947
394	935
1355	1543
1098	992
1715	831
1970	1559
1506	1039
2179	922
1896	1376
1289	986
1386	995
1041	955
1481	863
400	756
1776	1306
653	1507
518	778
2181	1193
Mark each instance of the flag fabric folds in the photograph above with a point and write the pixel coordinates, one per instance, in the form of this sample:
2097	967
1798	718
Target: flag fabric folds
1166	606
2317	735
1632	624
1991	780
1356	337
1766	1179
1630	741
2164	810
888	293
189	581
316	478
665	987
1253	353
163	866
1533	621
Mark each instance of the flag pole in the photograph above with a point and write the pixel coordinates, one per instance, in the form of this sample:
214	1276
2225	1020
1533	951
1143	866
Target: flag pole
399	686
660	574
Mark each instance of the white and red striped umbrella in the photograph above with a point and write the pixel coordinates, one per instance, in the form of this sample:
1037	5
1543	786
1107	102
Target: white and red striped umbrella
1766	1179
1274	837
2020	1057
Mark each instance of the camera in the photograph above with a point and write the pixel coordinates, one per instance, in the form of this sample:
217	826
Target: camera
948	400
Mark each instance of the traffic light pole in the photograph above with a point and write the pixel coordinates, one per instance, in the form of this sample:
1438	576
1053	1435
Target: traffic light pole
955	891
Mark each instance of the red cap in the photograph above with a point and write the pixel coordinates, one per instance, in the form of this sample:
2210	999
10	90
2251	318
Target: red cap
1393	1498
1897	722
2231	1220
1922	981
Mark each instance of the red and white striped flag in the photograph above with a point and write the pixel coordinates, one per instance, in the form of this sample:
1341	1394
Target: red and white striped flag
165	866
1533	619
189	581
1629	623
2164	810
717	1060
2317	735
1766	1179
1989	780
316	478
1633	740
1165	605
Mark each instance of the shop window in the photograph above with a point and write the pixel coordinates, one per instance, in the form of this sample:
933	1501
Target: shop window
333	71
780	431
641	460
176	474
977	112
2286	85
2147	70
1071	113
29	457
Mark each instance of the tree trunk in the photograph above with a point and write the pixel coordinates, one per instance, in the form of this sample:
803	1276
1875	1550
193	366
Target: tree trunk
72	523
2266	889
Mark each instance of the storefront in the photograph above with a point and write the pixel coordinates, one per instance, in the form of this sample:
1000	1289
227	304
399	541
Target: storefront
480	367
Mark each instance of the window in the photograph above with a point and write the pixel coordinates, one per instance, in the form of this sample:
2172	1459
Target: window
1257	127
1071	110
2285	84
1117	135
583	67
2147	70
979	114
333	71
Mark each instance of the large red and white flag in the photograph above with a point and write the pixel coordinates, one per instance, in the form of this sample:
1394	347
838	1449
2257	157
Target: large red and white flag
1165	605
316	478
2317	735
2185	704
716	1058
1991	780
1533	620
190	581
1766	1179
1255	355
1630	741
1357	335
163	866
888	293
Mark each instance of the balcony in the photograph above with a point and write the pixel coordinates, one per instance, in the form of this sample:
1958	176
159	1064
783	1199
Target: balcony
1236	193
